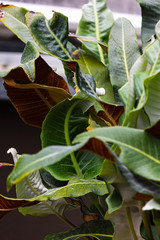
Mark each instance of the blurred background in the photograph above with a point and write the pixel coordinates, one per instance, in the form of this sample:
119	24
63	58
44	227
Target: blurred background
15	133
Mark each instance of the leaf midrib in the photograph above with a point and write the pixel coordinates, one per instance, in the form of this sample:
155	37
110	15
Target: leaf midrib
97	31
124	53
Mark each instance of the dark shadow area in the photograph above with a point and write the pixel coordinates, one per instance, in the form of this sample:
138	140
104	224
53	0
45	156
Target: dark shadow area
26	139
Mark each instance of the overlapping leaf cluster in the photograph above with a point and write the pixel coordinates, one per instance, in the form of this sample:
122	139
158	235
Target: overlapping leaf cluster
104	140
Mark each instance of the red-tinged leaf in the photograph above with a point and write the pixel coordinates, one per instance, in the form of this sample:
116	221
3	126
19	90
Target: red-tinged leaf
98	147
142	197
6	165
9	204
111	113
154	130
33	100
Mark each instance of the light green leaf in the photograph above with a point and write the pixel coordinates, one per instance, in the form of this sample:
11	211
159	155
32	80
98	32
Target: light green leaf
96	22
150	16
153	95
30	54
140	151
27	164
14	19
123	92
91	65
75	188
153	56
123	51
101	230
51	35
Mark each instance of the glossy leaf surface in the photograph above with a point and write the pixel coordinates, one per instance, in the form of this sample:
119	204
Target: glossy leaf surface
51	35
61	131
27	164
140	151
98	229
75	188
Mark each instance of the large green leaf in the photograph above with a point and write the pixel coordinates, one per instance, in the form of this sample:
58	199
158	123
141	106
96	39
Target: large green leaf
123	51
140	184
60	127
150	16
27	164
51	35
33	98
101	230
96	22
75	188
91	65
140	151
32	186
14	19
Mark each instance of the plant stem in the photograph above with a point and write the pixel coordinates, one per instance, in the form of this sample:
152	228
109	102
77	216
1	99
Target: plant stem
64	219
97	205
131	223
146	223
67	137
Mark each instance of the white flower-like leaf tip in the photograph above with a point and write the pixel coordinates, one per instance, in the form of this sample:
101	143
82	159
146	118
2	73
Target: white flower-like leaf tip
14	153
100	91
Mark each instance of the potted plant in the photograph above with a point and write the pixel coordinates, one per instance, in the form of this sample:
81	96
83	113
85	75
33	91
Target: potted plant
102	141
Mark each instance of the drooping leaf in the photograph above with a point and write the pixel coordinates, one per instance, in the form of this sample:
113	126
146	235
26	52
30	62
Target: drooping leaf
33	100
14	19
69	75
27	164
98	147
90	39
75	188
9	204
32	186
30	54
150	16
101	230
142	185
51	35
140	151
90	65
86	83
61	131
111	113
114	201
96	22
123	51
